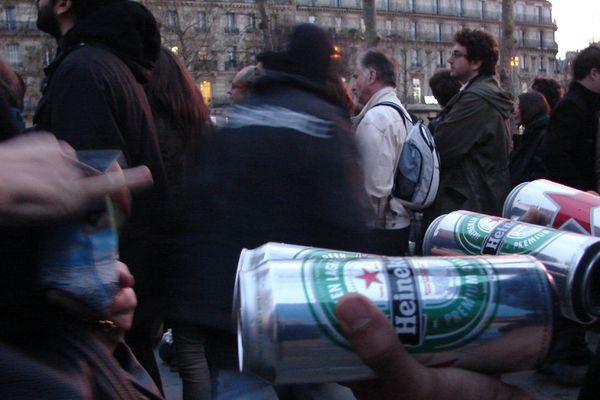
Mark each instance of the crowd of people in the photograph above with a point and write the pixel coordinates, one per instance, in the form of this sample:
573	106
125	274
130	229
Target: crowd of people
297	161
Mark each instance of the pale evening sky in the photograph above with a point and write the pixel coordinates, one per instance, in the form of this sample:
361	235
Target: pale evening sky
578	23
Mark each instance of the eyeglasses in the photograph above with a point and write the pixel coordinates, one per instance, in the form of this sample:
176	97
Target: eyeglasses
457	54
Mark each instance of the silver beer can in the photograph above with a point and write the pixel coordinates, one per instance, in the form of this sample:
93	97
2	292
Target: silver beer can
557	206
252	258
572	259
489	314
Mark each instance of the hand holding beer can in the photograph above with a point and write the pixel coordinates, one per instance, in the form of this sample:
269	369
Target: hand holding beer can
489	314
572	259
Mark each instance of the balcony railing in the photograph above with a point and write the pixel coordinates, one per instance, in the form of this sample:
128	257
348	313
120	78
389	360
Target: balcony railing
231	64
533	19
17	25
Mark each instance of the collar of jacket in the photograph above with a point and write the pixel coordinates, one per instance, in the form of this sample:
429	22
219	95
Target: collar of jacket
590	98
274	78
537	124
377	97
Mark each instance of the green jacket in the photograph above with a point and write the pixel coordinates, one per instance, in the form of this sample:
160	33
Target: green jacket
474	143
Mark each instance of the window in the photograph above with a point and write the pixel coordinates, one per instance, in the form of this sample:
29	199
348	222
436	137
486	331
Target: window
172	19
11	18
231	58
338	24
441	59
252	21
14	54
231	25
524	64
542	64
415	57
541	39
388	27
201	21
312	19
206	90
439	32
414	30
416	90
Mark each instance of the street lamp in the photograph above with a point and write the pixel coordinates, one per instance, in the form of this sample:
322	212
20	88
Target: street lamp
514	65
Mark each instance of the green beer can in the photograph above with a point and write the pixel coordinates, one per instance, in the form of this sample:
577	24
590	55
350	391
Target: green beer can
448	311
573	260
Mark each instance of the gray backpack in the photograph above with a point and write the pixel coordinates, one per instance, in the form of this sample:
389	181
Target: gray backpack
417	175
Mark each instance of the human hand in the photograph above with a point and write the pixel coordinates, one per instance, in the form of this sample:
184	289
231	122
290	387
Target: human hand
42	181
398	375
122	309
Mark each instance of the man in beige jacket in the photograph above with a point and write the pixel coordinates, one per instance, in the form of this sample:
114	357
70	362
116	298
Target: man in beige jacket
380	134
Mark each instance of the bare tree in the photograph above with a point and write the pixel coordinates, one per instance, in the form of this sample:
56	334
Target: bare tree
370	23
265	25
507	59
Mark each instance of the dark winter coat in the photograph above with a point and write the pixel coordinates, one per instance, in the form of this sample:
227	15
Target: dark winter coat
570	148
283	169
94	99
474	143
526	162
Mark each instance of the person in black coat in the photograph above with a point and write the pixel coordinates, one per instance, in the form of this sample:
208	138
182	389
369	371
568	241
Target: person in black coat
283	169
94	99
526	163
570	149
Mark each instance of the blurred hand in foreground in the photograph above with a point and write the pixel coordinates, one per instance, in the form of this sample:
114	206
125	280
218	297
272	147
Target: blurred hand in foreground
42	181
398	375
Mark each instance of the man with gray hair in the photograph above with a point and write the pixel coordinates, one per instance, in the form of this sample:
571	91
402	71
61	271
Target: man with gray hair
380	134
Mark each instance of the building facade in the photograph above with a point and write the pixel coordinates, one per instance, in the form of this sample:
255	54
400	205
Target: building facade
216	38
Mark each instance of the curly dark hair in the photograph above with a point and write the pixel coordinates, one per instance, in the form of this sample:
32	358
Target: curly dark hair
481	46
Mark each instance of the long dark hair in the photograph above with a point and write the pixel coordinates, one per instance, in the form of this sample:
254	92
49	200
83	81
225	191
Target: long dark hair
174	96
531	106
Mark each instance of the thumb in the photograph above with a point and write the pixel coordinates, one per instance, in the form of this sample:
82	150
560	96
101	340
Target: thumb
373	338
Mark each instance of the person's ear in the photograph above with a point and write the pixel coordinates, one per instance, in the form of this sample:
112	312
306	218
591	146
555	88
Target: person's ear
372	75
475	65
62	7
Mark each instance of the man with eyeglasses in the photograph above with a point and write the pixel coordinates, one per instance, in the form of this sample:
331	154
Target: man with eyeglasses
473	140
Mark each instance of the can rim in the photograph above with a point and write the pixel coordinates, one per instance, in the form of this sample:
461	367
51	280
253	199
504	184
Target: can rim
428	237
510	199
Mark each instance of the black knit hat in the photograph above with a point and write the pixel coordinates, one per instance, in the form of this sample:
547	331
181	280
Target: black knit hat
308	54
85	7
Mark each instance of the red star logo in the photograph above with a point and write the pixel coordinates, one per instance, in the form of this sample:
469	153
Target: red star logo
577	207
369	277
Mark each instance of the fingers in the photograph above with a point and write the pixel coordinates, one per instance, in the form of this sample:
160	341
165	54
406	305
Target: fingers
96	187
373	338
137	178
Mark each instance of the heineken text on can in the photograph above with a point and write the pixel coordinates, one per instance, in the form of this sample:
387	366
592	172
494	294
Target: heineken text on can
555	205
448	311
572	259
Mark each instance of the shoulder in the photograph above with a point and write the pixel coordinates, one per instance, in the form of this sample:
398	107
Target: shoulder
92	61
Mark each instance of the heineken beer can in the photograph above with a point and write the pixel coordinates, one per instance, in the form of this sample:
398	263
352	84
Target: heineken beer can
489	314
555	205
572	259
252	258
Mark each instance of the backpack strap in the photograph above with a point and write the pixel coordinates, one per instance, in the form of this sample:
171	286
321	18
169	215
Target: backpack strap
405	114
